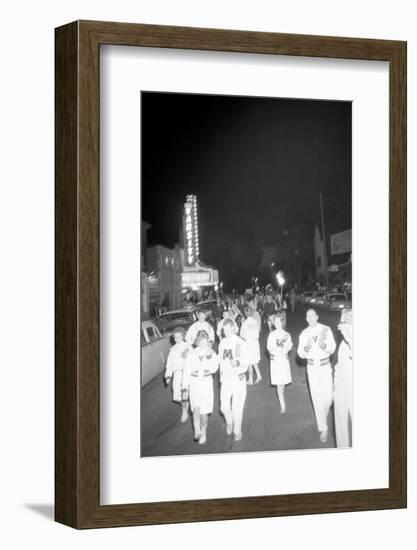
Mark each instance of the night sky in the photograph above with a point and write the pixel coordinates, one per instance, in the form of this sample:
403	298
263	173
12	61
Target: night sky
257	166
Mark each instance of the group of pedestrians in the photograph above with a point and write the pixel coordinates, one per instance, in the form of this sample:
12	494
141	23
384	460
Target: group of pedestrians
232	348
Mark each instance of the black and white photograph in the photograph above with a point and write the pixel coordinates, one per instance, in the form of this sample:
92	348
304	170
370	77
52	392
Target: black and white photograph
246	274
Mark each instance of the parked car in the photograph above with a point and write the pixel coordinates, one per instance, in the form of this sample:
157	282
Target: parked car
207	306
335	301
155	347
305	297
318	298
170	320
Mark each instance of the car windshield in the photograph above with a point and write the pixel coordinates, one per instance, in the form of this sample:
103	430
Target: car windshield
334	297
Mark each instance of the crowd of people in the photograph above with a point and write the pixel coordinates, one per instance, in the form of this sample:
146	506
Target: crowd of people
230	344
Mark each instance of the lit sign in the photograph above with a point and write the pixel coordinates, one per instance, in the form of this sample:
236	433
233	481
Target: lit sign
208	277
190	223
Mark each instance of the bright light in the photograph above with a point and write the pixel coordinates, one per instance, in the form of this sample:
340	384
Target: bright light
280	278
216	287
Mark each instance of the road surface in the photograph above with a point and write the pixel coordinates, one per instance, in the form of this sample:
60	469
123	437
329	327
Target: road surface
264	427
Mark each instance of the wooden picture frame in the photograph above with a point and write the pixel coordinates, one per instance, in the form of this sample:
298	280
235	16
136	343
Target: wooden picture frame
77	373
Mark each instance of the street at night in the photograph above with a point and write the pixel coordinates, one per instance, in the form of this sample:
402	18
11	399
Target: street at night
246	211
264	427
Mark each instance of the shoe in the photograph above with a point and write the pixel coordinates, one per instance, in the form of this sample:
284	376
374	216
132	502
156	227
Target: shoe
197	436
258	380
238	436
229	429
323	436
184	417
250	382
283	409
203	438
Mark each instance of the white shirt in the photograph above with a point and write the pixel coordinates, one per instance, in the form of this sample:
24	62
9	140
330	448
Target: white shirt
316	343
176	358
279	344
230	348
250	329
199	363
344	355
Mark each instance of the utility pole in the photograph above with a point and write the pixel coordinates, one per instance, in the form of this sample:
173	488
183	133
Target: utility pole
323	233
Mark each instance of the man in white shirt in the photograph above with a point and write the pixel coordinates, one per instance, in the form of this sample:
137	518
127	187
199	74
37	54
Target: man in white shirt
317	344
200	324
233	359
343	383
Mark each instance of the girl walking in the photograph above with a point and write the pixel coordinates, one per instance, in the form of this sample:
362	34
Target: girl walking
249	331
197	381
279	343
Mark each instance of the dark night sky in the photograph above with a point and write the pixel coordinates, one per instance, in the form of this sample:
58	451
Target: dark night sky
257	166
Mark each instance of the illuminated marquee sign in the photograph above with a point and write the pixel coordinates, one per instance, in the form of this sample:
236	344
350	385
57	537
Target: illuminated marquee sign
208	277
191	245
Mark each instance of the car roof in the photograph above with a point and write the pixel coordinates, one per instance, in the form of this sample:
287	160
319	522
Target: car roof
184	310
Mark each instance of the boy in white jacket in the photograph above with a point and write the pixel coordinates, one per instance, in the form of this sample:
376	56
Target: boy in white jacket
174	369
234	362
317	344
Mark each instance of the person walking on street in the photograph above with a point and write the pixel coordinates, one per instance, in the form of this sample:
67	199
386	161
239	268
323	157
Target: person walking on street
255	313
279	343
270	307
249	331
343	380
200	324
174	369
317	344
218	309
200	365
233	367
220	332
293	297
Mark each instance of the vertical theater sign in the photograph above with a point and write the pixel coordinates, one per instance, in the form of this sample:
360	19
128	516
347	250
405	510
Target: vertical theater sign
190	224
195	275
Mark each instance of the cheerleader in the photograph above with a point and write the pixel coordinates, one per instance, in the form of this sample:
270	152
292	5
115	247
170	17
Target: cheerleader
317	344
249	331
279	344
174	369
197	381
233	366
342	394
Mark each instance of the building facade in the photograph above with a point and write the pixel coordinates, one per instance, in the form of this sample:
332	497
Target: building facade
339	260
164	277
144	283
